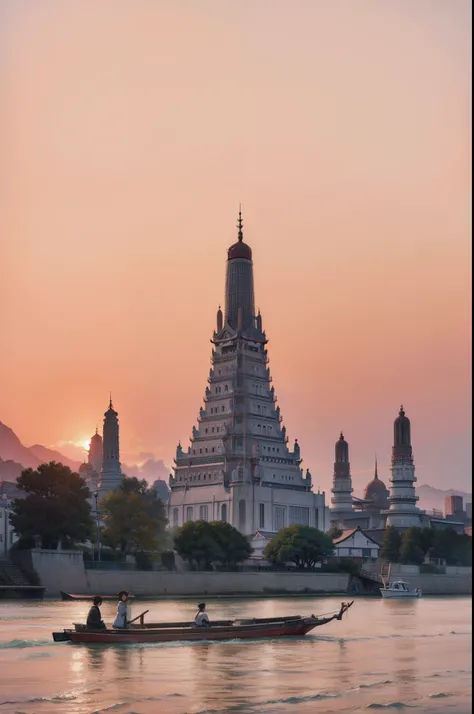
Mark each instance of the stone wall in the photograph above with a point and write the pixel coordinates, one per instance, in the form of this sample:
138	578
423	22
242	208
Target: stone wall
57	569
200	584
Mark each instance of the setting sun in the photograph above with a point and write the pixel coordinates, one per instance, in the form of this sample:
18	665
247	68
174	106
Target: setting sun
84	444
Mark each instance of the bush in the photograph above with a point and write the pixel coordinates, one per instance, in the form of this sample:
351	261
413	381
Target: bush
144	560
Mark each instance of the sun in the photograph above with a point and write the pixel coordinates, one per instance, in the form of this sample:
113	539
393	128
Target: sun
84	444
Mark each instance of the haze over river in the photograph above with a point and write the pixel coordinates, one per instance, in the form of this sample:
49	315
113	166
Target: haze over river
412	656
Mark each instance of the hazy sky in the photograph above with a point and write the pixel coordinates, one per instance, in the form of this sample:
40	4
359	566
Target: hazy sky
130	130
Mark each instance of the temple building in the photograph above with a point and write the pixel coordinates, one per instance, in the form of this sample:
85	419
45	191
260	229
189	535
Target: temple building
90	469
341	501
238	466
111	473
103	471
403	511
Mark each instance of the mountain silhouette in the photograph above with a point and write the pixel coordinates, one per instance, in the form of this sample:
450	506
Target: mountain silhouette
15	456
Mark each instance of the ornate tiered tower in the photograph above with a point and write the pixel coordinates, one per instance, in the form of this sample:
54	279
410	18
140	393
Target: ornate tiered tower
95	452
341	502
111	473
238	466
402	512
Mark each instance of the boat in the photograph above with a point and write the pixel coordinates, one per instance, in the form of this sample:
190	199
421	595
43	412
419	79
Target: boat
105	598
399	589
254	628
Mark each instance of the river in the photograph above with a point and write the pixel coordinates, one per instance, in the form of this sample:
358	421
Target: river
412	656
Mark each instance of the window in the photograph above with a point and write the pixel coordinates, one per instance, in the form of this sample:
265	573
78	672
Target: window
175	516
204	513
242	515
279	517
366	552
299	516
222	409
189	513
262	516
224	512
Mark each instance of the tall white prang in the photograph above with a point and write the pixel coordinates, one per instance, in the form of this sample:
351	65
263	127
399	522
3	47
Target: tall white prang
403	511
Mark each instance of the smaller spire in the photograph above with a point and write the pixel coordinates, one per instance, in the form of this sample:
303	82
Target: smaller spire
96	430
110	402
341	436
240	224
401	413
376	475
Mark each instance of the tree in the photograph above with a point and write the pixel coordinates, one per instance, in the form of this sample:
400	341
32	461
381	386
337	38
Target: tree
195	544
134	519
201	544
301	545
55	508
453	547
335	532
391	544
234	547
411	550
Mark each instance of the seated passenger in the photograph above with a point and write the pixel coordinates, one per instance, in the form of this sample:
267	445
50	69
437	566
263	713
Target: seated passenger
94	618
201	619
120	621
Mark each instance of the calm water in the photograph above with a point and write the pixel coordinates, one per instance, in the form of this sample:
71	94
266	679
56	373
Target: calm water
401	656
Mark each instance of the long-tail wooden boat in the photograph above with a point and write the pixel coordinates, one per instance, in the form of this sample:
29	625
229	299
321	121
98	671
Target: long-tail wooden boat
255	628
105	598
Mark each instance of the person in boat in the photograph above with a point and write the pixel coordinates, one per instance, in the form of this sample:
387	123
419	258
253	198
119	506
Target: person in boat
201	619
120	621
94	618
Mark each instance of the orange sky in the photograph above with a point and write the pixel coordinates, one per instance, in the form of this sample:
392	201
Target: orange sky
130	131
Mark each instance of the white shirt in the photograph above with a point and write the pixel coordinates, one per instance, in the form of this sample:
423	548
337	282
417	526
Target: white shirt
200	619
121	619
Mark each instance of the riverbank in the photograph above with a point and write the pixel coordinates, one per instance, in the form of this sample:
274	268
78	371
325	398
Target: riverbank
64	571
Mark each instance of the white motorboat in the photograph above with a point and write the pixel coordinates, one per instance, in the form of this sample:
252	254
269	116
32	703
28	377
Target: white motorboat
400	589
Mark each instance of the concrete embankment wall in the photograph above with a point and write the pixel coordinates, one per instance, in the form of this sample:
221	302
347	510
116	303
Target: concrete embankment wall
57	569
64	570
258	583
456	580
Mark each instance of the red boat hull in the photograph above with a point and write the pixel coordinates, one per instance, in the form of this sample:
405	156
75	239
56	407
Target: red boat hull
194	634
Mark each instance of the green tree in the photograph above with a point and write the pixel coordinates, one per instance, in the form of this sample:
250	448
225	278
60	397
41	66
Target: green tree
335	532
134	519
411	550
234	547
55	507
453	547
391	544
196	545
301	545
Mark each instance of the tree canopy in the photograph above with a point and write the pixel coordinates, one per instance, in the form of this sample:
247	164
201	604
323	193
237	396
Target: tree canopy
202	544
55	507
391	543
302	545
335	532
133	518
415	544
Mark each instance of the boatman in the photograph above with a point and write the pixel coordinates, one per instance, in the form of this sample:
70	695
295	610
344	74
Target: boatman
94	618
201	619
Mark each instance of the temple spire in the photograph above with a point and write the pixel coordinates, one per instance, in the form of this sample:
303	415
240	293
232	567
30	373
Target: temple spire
240	224
376	475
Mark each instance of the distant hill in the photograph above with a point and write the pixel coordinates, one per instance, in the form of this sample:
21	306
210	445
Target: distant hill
10	470
46	455
433	498
14	456
11	449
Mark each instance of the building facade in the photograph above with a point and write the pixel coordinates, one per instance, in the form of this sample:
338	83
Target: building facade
403	511
238	466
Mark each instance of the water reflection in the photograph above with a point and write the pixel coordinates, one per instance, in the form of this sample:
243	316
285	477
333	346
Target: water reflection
95	657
